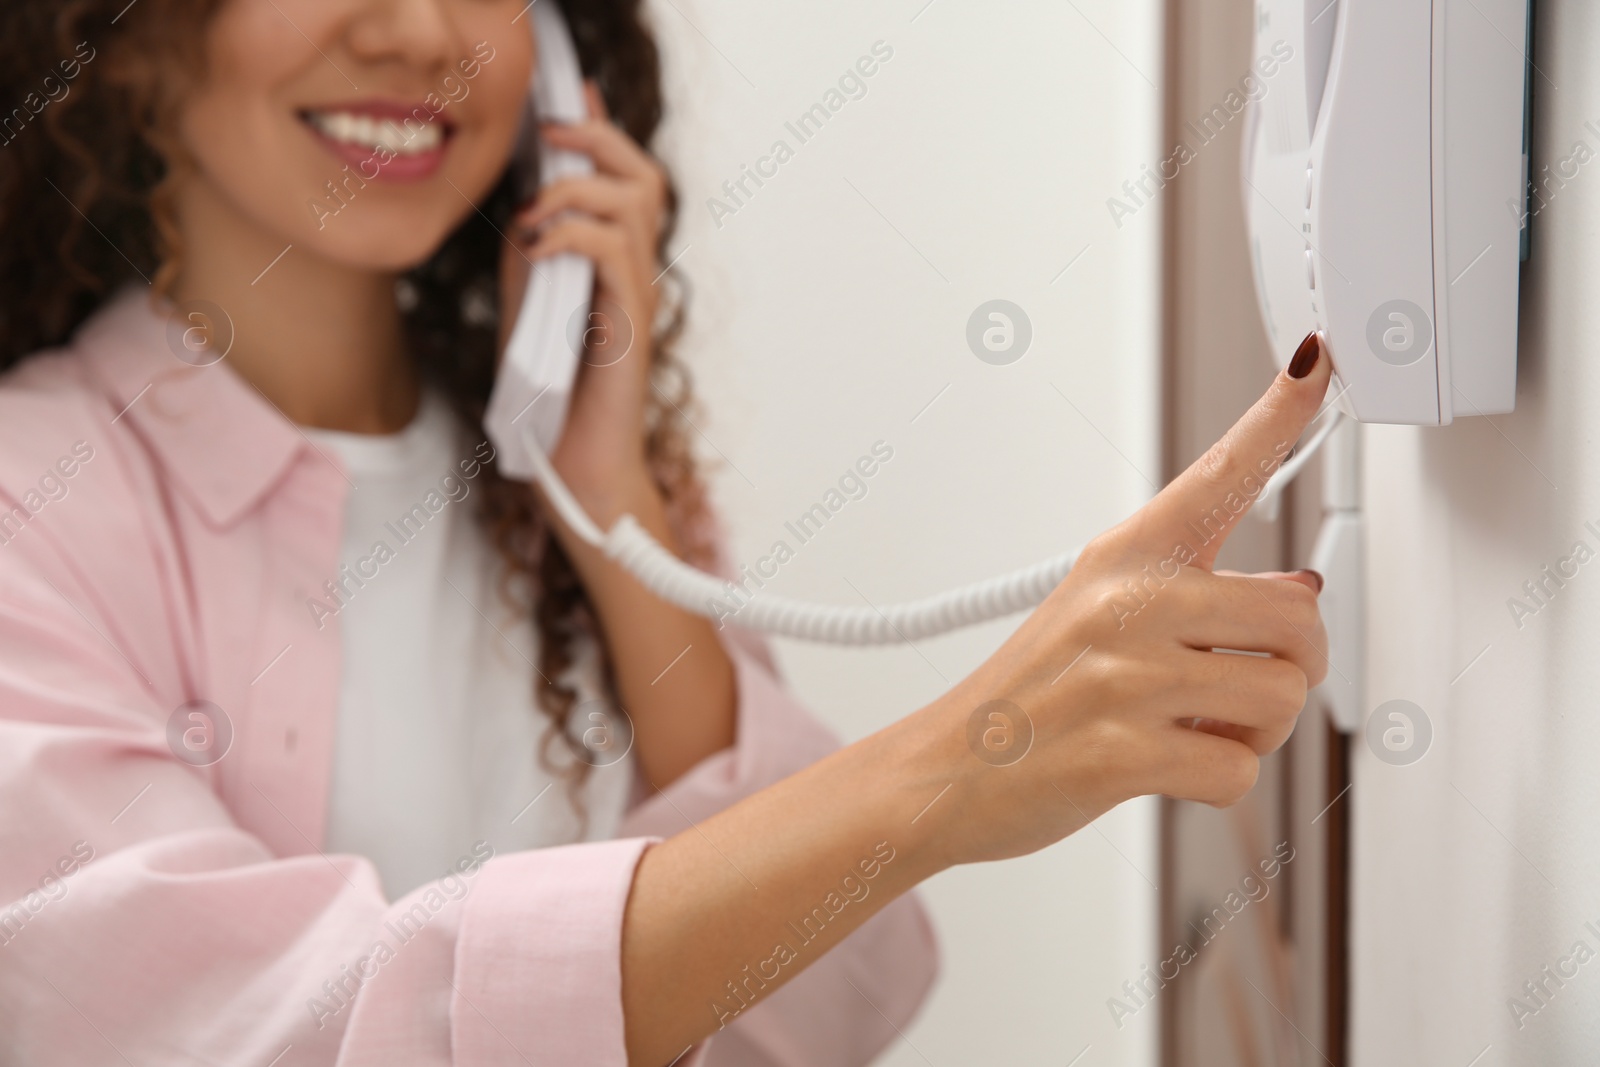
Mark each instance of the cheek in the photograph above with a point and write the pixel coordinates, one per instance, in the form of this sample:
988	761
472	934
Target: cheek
490	115
233	120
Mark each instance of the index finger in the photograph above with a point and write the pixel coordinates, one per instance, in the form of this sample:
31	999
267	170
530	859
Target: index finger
1202	505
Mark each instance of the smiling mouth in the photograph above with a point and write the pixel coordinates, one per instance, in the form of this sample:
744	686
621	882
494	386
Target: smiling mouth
383	140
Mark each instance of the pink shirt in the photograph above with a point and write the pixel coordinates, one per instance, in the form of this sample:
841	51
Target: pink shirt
161	528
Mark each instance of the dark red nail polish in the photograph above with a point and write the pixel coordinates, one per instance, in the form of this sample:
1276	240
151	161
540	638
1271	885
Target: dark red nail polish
1305	357
1315	574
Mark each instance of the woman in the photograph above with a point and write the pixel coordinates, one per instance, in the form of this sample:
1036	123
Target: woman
311	749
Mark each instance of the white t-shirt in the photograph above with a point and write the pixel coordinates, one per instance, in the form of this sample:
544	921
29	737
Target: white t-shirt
438	735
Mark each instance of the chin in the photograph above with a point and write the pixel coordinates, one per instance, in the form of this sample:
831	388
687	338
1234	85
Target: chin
395	244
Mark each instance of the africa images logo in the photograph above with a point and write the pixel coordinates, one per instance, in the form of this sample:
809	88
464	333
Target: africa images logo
1399	333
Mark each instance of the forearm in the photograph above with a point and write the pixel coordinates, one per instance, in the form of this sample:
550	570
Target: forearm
673	677
723	914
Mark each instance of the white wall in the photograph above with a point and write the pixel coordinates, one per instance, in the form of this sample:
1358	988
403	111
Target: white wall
831	309
1479	865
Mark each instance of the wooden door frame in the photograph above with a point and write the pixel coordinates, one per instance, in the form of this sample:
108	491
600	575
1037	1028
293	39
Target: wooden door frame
1215	361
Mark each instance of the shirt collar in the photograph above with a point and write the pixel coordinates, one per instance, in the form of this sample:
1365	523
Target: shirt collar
222	442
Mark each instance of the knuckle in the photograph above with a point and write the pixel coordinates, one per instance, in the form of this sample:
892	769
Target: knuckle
1096	554
1122	612
1108	612
660	182
566	227
1234	679
1114	749
1112	678
1236	776
1213	467
1286	696
1191	597
1294	688
1105	740
1302	607
1318	668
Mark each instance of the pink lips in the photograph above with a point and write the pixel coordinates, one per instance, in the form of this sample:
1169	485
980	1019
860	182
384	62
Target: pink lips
369	163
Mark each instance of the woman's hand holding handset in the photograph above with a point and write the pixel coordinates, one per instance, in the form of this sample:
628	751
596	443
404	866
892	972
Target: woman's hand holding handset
614	217
1110	690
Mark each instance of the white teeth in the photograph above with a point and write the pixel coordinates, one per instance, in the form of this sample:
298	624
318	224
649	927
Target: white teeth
404	138
392	134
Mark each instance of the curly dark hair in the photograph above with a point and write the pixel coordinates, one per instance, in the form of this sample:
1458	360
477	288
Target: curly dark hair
85	207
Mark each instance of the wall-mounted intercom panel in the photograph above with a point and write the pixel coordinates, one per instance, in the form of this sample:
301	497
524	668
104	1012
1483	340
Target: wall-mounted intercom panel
1385	184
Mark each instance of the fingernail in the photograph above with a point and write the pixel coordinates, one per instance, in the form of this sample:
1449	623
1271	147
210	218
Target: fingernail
1305	357
1315	574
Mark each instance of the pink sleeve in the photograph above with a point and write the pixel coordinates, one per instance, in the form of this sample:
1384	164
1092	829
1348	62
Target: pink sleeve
850	1004
140	924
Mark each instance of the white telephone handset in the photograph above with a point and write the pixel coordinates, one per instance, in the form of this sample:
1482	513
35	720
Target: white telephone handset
534	385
